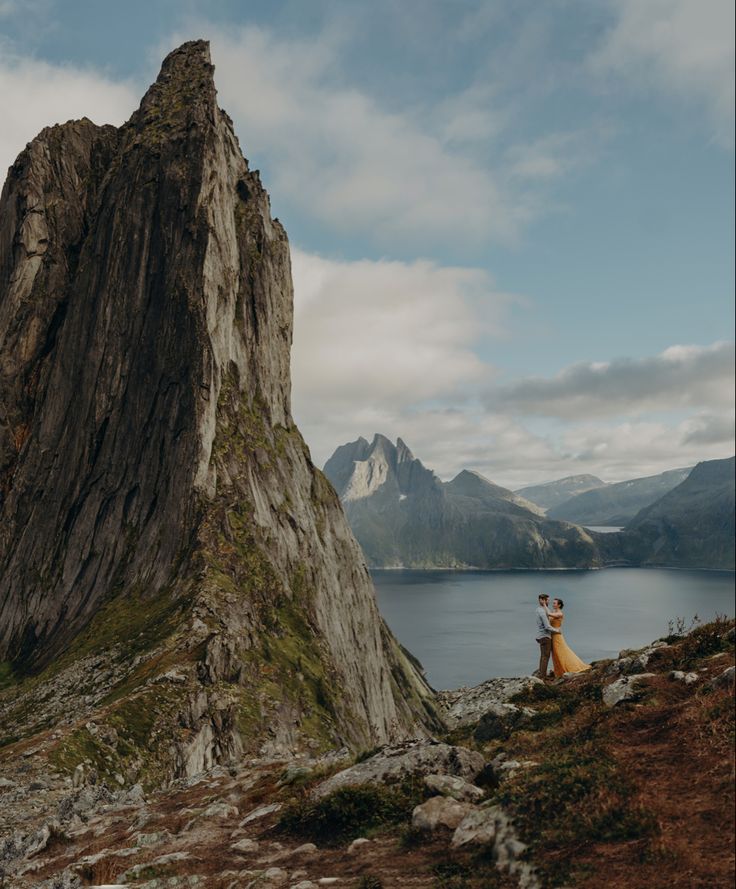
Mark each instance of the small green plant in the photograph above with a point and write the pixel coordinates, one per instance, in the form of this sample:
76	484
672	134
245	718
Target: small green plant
350	812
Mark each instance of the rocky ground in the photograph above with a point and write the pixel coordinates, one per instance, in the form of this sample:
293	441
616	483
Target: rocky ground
622	777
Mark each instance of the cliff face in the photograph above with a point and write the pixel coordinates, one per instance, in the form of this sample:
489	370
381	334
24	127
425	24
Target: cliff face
403	515
152	478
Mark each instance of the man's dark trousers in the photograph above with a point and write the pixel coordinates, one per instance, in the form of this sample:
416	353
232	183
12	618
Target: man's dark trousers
545	649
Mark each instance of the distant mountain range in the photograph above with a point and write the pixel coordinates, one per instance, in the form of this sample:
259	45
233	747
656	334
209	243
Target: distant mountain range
551	494
617	504
404	516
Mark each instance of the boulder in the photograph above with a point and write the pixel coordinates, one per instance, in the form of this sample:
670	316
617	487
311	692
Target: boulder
414	758
726	678
245	846
466	706
440	811
628	688
500	720
450	785
477	828
687	678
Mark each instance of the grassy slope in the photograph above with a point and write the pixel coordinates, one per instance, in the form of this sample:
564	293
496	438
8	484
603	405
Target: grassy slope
636	796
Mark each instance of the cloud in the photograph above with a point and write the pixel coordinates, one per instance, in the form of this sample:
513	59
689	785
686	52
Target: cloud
350	162
414	174
681	47
379	338
681	377
389	347
36	94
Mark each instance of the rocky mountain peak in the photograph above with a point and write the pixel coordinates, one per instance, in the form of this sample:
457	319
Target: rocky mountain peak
182	96
159	508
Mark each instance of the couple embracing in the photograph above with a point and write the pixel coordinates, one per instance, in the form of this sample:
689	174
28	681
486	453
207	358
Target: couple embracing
551	641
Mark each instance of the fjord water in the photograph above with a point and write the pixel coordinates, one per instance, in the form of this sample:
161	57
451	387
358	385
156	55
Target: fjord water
467	626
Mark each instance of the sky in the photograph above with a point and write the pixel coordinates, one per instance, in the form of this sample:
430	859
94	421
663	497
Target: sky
511	223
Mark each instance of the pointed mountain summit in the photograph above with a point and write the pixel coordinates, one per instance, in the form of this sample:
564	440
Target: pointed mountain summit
159	513
404	516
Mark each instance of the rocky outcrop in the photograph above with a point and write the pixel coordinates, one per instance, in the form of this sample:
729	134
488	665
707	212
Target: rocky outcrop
404	516
159	508
412	759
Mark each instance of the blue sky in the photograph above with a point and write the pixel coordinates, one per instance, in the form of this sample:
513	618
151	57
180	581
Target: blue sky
512	222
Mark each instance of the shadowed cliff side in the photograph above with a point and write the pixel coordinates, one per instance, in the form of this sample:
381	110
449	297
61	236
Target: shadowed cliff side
159	507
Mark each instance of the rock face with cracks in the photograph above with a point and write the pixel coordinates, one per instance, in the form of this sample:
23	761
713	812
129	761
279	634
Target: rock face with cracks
158	507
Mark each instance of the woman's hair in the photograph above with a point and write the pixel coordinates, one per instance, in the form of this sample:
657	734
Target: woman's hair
560	603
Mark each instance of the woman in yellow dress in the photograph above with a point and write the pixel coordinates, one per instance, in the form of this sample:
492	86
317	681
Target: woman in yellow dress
564	659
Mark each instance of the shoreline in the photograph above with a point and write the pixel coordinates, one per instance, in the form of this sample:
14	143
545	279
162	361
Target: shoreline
468	568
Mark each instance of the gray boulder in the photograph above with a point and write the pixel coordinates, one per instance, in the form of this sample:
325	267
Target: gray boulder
440	811
450	785
628	688
404	760
500	720
466	706
726	679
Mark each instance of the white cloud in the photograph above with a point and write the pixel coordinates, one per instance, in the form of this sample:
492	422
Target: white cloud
36	94
424	175
348	161
681	377
682	47
375	339
389	347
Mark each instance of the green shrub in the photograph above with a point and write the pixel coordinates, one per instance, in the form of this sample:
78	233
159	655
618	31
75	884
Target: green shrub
351	811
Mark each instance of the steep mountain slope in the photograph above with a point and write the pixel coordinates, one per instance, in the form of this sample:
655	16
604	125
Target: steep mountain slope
159	509
551	494
403	515
617	504
692	526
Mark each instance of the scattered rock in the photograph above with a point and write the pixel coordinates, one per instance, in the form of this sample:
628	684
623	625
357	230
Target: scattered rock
450	785
477	828
402	760
220	810
357	845
501	720
681	676
145	840
260	812
245	846
134	872
275	875
305	849
440	811
726	679
628	688
466	706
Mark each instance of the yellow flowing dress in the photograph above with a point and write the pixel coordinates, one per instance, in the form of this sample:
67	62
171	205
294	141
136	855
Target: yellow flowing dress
564	659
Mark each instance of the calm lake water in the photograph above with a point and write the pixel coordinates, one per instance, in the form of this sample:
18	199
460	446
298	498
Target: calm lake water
466	626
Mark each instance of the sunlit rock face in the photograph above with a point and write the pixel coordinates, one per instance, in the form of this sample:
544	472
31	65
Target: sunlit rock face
153	484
